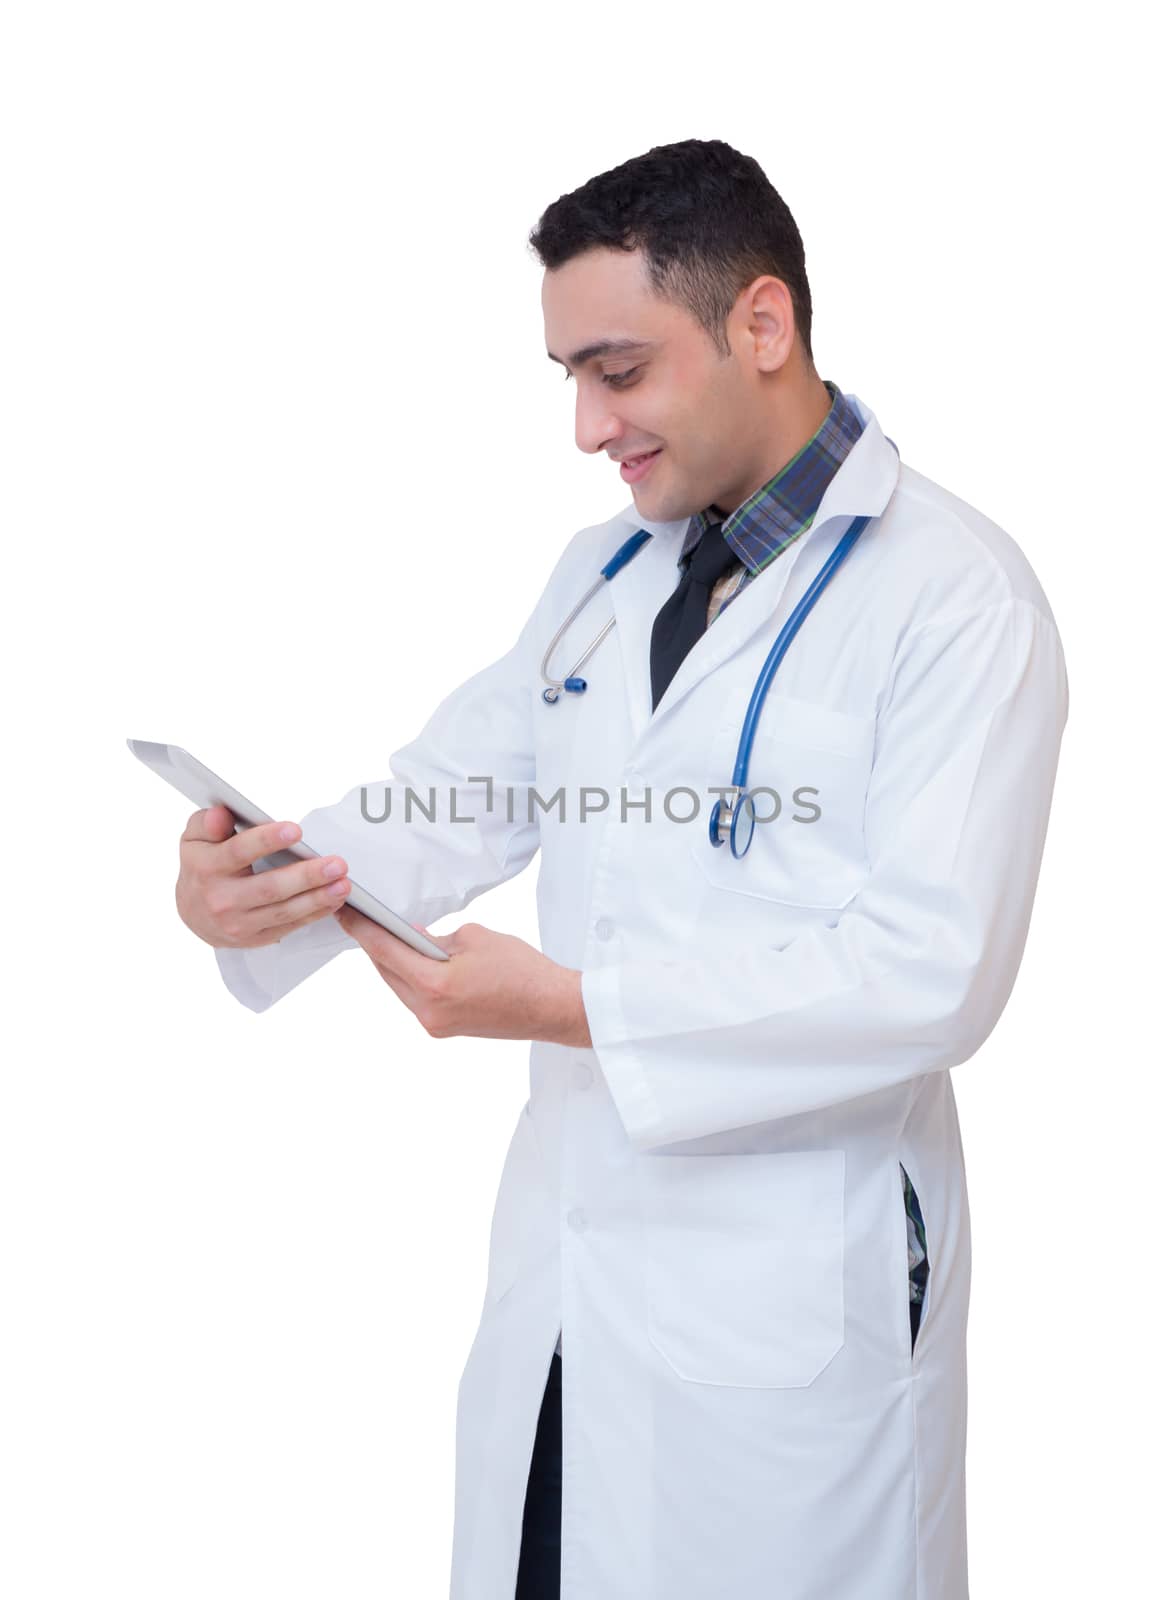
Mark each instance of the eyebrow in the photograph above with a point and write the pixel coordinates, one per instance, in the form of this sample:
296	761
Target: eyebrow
601	347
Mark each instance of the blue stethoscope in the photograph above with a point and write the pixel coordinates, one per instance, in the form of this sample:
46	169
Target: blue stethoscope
734	822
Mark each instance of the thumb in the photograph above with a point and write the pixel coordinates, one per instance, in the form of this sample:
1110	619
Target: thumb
210	826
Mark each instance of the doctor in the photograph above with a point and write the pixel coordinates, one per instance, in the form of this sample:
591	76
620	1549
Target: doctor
722	1348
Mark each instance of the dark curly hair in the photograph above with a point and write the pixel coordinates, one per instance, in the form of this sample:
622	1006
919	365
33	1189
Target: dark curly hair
707	219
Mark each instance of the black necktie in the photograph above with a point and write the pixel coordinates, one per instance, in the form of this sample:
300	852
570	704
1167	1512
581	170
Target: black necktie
680	622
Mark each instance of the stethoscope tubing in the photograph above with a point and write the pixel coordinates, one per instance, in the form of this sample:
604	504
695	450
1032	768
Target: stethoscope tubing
788	631
726	817
573	684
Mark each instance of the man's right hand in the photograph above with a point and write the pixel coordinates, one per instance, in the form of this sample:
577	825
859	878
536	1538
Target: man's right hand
228	905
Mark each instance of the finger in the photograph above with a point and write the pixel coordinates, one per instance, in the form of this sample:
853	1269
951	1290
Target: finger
357	926
277	884
380	945
266	839
283	916
398	986
375	942
237	851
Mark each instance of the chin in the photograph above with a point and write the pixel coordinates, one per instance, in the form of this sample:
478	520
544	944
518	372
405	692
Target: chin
656	510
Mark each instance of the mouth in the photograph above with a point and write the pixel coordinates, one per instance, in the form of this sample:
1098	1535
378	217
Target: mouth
637	467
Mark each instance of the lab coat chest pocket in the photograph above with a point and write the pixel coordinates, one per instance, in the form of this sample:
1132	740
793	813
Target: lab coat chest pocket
745	1264
808	849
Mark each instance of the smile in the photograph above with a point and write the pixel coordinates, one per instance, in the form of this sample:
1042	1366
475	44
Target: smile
635	469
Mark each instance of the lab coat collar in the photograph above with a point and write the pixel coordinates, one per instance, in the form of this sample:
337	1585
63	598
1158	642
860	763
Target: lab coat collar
862	486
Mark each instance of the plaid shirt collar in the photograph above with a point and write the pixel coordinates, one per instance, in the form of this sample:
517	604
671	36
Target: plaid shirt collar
774	516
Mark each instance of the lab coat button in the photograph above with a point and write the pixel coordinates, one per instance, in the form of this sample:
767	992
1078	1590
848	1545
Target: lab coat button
605	927
577	1219
584	1076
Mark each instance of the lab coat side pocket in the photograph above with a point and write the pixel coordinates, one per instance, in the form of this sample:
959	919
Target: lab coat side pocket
745	1264
516	1210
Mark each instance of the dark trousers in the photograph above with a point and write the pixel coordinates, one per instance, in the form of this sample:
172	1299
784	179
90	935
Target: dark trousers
538	1563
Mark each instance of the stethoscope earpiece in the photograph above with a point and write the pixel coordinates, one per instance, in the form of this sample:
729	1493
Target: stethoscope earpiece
571	685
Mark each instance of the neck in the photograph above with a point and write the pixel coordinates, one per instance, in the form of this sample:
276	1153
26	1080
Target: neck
798	416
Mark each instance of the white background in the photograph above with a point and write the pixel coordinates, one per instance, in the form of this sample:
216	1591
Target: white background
284	461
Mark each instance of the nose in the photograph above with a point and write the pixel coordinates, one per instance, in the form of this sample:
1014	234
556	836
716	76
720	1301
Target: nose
595	423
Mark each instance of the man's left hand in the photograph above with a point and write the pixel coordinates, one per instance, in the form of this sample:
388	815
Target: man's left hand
492	987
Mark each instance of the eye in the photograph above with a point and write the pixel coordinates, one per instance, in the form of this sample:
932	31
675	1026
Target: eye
617	380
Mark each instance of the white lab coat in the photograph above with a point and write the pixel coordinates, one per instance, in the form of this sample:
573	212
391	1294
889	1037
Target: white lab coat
708	1201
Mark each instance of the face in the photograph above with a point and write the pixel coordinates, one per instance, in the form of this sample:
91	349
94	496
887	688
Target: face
712	420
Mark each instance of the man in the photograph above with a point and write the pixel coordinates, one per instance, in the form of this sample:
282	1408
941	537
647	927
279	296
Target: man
722	1350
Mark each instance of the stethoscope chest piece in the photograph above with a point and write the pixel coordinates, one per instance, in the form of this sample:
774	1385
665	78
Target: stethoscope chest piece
734	823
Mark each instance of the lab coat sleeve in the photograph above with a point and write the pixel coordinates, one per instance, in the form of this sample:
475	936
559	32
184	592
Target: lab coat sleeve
474	750
916	971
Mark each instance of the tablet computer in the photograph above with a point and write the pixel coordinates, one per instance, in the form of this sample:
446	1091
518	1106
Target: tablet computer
199	783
